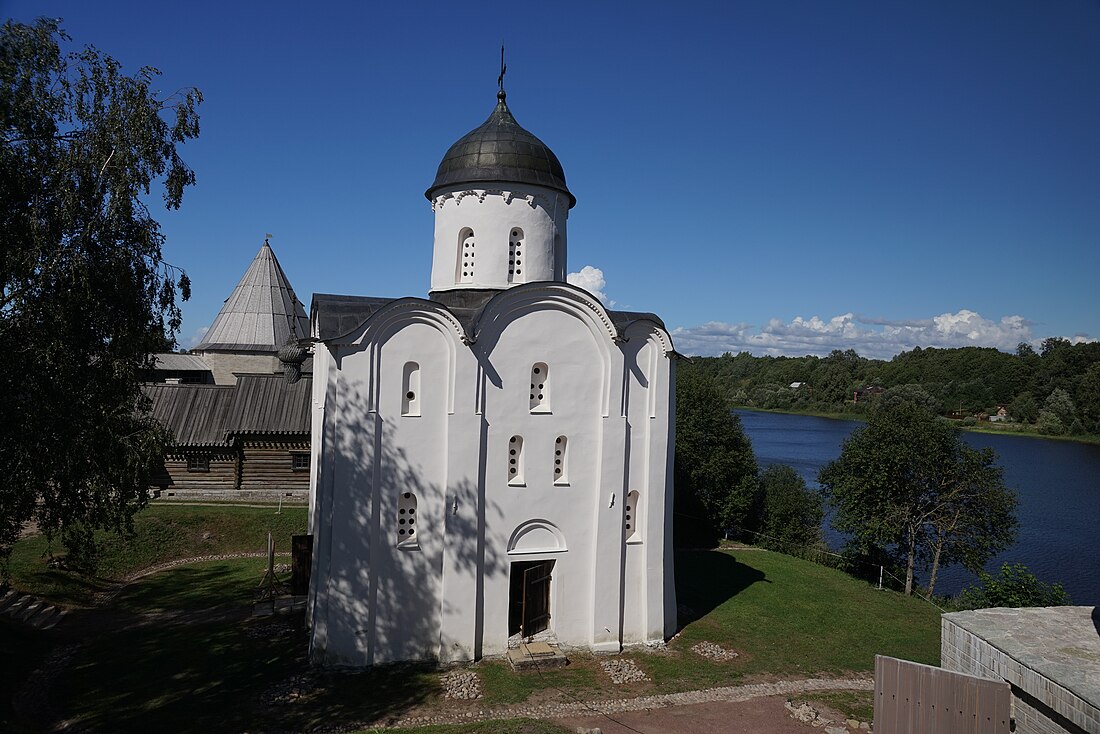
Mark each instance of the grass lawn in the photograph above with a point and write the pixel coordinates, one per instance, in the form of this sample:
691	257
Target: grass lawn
195	586
161	533
788	618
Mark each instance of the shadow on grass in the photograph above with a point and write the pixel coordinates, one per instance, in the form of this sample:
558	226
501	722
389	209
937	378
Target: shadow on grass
216	677
706	580
198	586
22	649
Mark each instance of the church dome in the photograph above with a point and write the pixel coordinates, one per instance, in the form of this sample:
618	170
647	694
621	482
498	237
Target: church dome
500	150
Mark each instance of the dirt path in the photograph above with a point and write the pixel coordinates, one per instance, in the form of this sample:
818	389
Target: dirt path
688	711
755	716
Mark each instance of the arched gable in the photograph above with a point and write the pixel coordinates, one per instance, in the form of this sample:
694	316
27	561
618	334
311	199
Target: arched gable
373	333
509	305
650	330
536	536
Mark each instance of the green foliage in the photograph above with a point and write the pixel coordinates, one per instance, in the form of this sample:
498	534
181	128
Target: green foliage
85	296
907	483
912	393
1024	408
1013	586
970	380
715	470
1049	423
791	513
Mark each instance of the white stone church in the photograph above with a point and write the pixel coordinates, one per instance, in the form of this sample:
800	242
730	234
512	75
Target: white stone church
495	460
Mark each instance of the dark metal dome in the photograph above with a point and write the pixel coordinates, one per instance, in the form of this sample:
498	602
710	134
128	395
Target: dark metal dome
501	150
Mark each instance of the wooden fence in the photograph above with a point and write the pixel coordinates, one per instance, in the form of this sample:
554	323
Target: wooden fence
911	698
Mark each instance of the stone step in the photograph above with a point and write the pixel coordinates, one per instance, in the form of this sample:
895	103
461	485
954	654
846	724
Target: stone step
30	610
8	597
50	622
16	606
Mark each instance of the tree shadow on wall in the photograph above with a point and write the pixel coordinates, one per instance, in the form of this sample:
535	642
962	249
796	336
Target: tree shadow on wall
707	579
387	591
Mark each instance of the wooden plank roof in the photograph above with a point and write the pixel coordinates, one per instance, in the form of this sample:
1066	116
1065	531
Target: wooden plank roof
211	415
270	404
195	414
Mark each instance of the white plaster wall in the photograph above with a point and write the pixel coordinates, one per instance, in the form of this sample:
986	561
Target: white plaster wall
567	346
372	601
375	601
406	598
343	525
492	213
639	357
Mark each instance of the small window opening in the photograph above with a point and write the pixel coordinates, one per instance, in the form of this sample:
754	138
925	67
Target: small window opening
410	389
561	465
407	520
299	461
198	463
515	256
515	461
464	272
630	517
540	388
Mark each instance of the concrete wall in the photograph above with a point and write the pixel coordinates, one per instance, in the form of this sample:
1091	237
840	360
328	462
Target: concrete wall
224	365
1040	705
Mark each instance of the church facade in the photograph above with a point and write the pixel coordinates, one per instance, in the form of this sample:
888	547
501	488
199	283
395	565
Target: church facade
494	461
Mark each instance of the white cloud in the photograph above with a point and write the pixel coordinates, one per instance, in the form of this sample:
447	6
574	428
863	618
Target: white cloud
592	280
871	337
196	337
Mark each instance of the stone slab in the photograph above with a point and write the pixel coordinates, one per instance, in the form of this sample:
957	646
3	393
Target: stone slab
1059	643
520	658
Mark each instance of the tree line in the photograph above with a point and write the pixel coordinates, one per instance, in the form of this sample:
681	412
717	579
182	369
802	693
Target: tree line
1054	390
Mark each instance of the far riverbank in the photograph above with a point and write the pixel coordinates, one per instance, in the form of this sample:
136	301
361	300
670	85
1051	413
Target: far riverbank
994	429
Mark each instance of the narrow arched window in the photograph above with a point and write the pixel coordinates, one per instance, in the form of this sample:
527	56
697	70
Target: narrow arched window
410	390
408	524
515	461
540	388
464	272
515	256
561	460
630	517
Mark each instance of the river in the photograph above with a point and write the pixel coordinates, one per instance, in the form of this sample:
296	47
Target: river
1058	484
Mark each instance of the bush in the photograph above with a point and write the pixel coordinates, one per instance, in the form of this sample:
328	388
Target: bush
1013	586
790	513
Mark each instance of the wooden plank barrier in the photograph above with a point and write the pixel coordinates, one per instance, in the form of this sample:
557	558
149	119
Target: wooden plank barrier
911	698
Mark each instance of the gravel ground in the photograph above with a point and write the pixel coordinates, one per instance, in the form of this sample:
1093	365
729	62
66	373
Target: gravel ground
677	703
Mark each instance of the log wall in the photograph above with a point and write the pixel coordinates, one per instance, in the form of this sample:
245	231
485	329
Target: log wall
268	465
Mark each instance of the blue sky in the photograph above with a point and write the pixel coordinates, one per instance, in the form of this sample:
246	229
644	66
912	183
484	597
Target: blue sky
776	177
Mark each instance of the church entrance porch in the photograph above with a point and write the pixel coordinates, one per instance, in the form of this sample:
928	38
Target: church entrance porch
529	597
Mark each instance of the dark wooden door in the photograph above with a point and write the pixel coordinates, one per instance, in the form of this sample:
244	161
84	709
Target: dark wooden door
536	598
